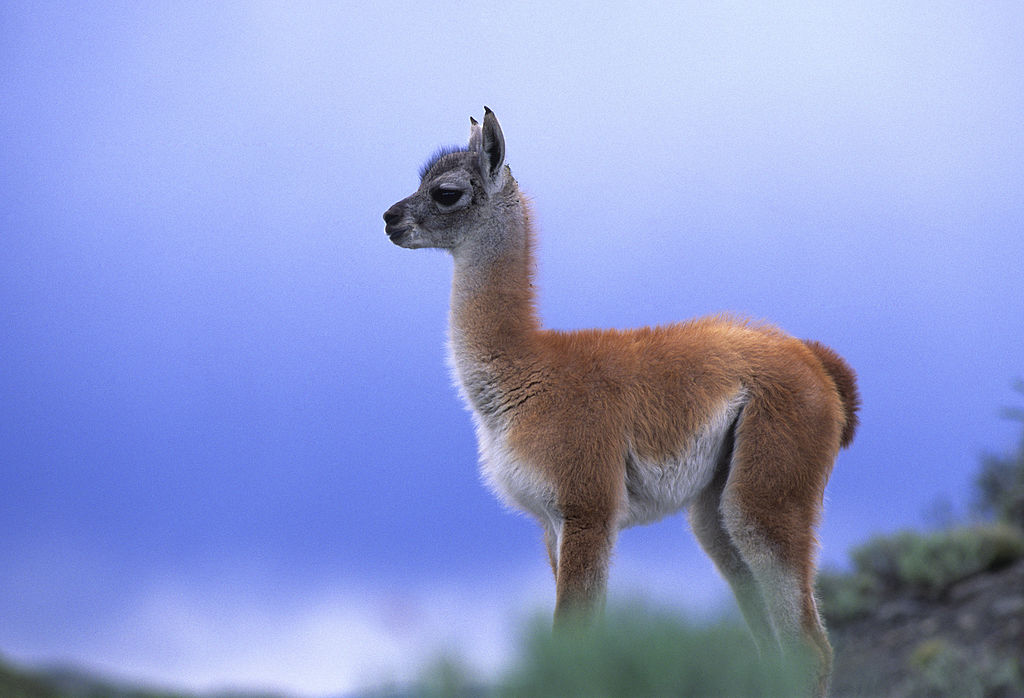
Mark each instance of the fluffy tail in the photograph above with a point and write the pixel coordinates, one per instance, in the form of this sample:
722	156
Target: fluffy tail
846	385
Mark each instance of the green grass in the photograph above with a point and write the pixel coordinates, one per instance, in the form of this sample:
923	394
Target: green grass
633	651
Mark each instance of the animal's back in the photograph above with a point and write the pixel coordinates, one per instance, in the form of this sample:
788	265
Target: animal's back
648	392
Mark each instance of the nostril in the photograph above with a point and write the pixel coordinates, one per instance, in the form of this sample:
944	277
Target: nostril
392	216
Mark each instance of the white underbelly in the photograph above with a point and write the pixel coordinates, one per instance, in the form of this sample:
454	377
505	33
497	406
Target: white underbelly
652	489
657	489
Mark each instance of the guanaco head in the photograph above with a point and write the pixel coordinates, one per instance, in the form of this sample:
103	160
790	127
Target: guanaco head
460	194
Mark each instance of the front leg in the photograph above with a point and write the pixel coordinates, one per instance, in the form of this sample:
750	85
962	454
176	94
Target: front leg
581	573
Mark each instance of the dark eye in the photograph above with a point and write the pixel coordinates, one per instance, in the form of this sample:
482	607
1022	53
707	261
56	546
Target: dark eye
445	196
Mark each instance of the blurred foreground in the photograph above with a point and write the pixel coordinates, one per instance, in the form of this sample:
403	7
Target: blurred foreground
634	651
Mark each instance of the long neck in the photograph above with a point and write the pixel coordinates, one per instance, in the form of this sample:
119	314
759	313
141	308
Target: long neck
493	316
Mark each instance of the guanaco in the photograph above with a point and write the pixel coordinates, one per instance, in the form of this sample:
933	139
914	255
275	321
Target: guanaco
593	431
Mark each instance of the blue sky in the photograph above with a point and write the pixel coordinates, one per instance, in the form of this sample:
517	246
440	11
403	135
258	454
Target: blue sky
230	449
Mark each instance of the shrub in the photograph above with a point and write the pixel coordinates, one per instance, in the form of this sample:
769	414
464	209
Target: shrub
879	559
926	564
639	652
923	564
1000	482
844	597
1001	487
931	564
447	676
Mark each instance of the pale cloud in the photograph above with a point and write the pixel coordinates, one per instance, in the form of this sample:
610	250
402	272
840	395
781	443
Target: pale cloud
329	643
222	634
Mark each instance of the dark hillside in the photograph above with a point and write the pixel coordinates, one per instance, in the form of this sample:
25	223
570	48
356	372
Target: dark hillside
968	642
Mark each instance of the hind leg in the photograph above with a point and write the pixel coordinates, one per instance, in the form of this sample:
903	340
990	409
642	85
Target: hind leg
551	545
787	590
770	507
706	521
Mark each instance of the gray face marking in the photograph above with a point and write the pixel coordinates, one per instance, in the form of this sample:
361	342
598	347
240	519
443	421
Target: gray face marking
453	203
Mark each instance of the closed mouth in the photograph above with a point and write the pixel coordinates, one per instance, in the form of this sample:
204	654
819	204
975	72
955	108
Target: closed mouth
396	232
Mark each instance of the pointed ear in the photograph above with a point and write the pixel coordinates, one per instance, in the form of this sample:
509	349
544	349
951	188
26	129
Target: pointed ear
492	152
475	135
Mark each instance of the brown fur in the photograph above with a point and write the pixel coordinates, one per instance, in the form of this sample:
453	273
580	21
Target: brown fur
569	421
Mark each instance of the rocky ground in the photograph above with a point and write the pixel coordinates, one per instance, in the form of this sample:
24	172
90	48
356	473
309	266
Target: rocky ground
969	642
